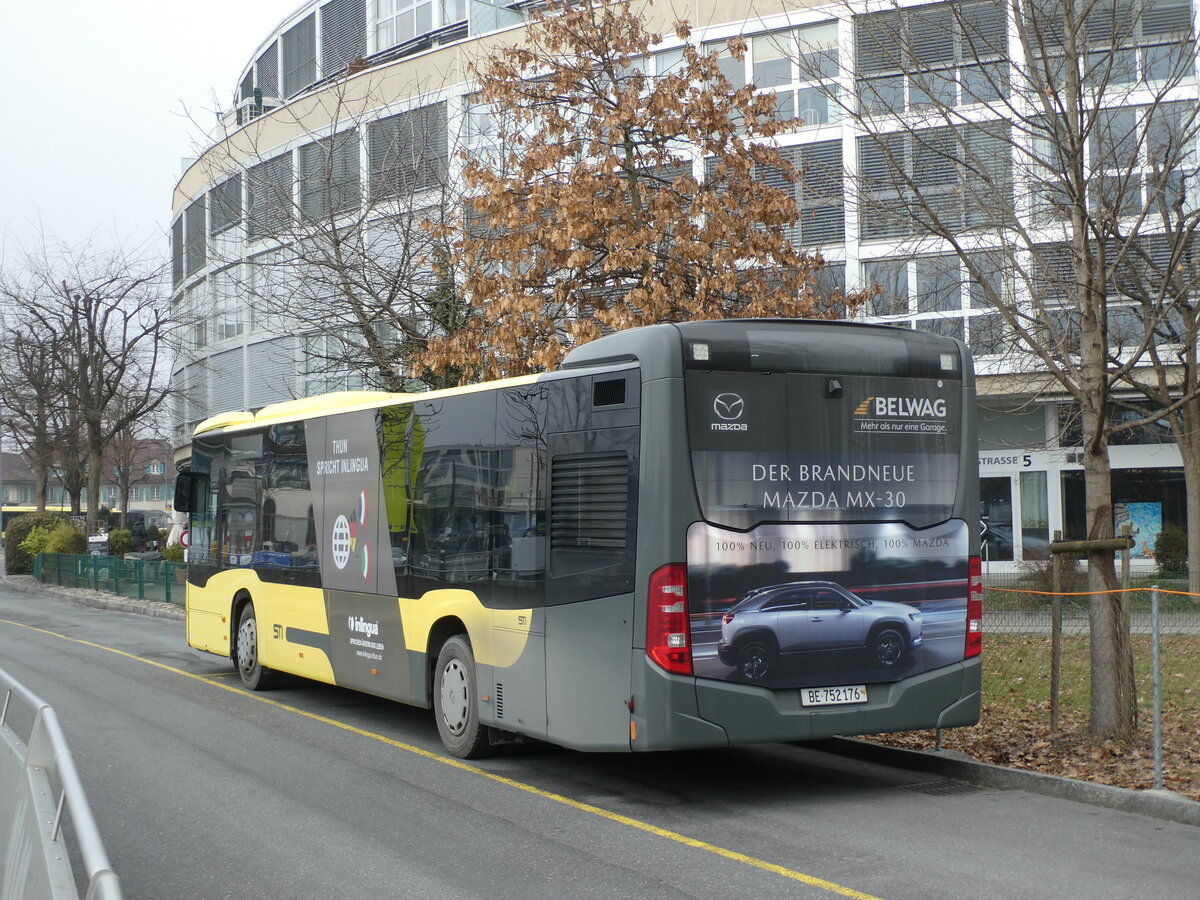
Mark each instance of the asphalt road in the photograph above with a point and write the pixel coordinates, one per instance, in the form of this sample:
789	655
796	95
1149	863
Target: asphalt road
203	790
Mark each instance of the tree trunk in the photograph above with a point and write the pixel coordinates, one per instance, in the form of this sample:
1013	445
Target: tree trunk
1113	701
1187	439
95	461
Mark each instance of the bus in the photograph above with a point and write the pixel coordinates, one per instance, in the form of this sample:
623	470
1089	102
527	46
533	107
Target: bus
689	535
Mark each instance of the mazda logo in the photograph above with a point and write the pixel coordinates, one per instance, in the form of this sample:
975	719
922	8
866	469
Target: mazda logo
728	406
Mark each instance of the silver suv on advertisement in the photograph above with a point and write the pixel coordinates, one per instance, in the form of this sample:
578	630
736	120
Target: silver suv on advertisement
783	620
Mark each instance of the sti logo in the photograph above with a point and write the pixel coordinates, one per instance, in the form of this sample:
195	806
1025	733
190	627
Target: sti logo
902	408
729	407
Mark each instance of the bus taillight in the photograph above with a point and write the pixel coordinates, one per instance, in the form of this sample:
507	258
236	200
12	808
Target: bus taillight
974	608
667	638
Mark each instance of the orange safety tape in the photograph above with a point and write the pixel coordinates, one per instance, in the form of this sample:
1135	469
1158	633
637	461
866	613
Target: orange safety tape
1087	593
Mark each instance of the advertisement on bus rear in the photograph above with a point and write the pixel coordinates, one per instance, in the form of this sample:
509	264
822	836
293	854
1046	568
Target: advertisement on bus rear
792	605
834	551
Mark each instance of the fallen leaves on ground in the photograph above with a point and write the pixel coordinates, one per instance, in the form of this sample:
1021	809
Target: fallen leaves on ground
1021	739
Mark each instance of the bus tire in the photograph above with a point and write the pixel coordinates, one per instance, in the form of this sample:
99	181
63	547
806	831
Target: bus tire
455	700
887	647
255	675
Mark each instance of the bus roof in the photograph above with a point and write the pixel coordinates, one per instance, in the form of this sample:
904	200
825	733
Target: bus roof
339	402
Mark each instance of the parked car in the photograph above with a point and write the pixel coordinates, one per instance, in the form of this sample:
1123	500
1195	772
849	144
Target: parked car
786	620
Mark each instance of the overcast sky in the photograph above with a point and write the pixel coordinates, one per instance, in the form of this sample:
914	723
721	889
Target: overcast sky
95	99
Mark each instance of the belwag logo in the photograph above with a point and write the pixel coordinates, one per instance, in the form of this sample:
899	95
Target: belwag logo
902	408
729	408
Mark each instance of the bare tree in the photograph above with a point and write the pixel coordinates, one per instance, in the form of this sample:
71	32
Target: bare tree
352	262
109	327
132	448
30	394
1041	178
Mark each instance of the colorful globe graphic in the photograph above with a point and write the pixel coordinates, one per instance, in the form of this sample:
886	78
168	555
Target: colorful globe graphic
340	543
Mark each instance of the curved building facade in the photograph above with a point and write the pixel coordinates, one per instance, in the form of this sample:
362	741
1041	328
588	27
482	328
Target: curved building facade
360	112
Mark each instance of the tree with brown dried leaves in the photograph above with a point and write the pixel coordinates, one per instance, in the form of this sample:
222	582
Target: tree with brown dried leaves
617	198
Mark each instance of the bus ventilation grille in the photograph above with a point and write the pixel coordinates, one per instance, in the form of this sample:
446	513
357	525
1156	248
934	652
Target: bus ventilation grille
499	701
608	393
589	500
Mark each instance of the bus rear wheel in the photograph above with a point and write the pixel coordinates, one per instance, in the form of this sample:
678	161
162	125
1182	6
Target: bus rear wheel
455	700
254	674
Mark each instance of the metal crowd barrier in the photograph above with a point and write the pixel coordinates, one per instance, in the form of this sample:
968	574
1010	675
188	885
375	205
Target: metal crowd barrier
38	787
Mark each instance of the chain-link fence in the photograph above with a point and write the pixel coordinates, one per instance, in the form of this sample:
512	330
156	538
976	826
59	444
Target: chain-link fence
145	579
1021	673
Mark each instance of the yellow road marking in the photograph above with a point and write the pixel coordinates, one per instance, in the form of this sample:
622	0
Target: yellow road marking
675	836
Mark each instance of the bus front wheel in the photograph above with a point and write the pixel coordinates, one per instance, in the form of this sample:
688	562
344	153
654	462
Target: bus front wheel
254	674
455	700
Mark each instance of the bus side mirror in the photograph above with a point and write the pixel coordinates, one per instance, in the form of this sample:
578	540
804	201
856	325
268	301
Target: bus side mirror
187	486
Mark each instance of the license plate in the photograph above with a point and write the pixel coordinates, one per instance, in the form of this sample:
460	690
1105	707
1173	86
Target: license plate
833	696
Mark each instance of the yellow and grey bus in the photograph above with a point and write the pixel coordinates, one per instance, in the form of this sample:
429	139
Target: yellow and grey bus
689	535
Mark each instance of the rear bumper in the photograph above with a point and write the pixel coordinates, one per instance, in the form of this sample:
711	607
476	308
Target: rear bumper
674	711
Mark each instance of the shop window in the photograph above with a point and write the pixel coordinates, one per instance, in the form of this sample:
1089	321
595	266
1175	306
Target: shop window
1035	517
995	513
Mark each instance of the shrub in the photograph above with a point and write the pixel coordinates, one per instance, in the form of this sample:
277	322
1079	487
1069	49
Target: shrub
120	542
173	553
35	542
62	537
66	538
1171	549
16	560
156	534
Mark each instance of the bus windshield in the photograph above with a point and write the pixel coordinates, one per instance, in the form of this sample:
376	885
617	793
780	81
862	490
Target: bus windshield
865	437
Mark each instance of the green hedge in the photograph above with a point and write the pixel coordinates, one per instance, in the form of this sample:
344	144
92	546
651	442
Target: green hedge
16	560
1171	549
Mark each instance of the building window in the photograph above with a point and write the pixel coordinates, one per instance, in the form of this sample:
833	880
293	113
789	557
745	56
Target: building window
270	197
941	55
227	316
329	175
818	189
931	180
266	70
732	68
996	514
156	468
225	202
397	21
1035	517
195	248
177	251
890	276
408	152
298	48
343	33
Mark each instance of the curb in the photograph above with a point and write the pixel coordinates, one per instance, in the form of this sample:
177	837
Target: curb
97	599
1159	804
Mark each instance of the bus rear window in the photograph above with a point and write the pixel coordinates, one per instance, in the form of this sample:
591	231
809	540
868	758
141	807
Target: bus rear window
789	447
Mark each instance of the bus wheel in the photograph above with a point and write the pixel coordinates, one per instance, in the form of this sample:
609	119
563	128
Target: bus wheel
755	658
455	700
254	674
888	647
